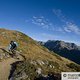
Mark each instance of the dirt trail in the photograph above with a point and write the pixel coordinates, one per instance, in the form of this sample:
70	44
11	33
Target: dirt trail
5	67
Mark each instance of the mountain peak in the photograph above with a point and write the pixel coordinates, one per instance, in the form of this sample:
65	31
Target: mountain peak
63	44
65	49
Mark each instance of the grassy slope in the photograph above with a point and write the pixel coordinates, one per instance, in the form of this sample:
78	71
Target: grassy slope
34	52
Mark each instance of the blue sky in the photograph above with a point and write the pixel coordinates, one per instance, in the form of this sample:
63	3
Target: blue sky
43	19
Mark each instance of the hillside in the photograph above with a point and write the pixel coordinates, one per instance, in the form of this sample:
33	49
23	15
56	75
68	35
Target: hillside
65	49
39	61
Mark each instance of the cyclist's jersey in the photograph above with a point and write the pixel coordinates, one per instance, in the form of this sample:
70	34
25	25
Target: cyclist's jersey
13	46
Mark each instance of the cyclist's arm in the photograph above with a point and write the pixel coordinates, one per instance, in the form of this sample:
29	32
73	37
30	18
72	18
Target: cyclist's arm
9	48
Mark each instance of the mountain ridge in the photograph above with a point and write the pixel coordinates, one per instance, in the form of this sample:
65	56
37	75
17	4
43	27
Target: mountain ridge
65	49
62	43
39	60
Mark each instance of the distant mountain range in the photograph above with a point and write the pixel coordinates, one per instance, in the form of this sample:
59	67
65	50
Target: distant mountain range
65	49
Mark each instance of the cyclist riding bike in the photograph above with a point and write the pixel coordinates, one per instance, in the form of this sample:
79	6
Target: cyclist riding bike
13	47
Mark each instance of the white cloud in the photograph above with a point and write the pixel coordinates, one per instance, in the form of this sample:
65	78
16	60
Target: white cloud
41	21
69	26
44	23
59	14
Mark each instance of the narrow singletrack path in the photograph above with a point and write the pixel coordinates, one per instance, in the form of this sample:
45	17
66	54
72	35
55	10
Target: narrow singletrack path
5	66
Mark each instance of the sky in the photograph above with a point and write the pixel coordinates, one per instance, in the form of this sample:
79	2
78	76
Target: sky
43	20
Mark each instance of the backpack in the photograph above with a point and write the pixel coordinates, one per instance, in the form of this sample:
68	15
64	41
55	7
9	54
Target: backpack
14	45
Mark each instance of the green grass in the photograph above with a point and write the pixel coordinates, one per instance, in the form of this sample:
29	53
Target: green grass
74	66
57	56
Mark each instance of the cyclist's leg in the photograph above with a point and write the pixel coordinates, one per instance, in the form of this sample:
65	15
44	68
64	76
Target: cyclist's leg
12	51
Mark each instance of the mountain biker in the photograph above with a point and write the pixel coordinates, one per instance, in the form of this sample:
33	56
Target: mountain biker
13	47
